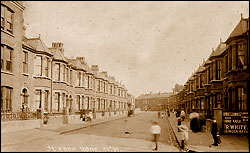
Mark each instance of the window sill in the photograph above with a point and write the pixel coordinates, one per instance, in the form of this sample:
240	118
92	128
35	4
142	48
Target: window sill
77	86
8	33
25	74
6	72
42	77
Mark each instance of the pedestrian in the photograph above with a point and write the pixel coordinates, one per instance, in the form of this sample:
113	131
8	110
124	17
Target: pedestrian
183	114
155	130
90	115
184	136
179	121
214	132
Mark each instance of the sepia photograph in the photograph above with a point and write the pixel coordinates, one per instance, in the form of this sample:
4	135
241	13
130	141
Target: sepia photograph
125	76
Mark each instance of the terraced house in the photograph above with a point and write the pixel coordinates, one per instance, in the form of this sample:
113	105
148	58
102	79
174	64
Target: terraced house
36	77
221	83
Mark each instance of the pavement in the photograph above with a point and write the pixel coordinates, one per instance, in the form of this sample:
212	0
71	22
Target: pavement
201	141
21	136
14	141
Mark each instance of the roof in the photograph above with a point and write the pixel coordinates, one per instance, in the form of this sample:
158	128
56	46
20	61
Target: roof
219	50
201	68
77	64
155	95
58	54
240	29
87	68
37	44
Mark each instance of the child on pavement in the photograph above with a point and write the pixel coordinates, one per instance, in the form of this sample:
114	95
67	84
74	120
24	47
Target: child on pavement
155	130
184	136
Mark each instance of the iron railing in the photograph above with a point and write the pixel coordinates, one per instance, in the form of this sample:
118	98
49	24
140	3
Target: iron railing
12	116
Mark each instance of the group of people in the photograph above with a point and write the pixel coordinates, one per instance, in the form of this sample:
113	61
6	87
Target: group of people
84	116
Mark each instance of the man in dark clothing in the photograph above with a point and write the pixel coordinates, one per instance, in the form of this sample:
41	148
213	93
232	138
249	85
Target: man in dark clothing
214	132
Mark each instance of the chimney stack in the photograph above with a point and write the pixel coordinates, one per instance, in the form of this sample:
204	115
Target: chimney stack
105	73
95	68
59	46
81	59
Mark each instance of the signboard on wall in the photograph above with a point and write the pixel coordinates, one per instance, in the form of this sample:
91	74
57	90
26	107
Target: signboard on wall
235	122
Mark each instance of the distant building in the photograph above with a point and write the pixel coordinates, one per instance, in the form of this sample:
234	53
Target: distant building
155	102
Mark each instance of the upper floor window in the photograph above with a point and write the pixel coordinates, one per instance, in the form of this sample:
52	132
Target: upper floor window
71	77
83	79
6	19
63	73
6	58
103	86
210	73
38	66
25	62
57	72
226	62
218	70
230	58
197	82
2	59
79	78
67	75
240	56
47	64
201	81
98	85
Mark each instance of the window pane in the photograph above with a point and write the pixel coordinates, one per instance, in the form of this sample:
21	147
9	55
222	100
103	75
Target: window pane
7	53
9	15
57	72
38	66
2	11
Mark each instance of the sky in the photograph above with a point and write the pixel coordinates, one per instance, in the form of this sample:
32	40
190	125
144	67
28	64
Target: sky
148	46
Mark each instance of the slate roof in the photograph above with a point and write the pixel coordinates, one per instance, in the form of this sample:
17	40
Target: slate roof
58	54
201	68
219	50
37	44
241	28
77	64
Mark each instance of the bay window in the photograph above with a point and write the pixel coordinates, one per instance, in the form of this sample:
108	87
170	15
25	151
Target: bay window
38	66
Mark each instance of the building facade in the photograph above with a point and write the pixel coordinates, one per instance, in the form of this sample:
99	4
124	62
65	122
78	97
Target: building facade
156	102
221	83
35	77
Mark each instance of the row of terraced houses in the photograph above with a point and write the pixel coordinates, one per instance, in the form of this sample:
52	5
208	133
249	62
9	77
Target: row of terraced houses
35	76
221	83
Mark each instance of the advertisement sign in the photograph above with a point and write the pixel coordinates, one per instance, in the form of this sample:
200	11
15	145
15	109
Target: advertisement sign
235	122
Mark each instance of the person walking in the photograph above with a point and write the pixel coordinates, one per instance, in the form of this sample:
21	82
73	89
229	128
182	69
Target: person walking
214	132
90	115
184	137
183	114
155	130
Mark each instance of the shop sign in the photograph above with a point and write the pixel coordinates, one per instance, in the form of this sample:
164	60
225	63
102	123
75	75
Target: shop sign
235	122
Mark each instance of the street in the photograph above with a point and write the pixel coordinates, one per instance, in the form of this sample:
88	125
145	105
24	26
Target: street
127	134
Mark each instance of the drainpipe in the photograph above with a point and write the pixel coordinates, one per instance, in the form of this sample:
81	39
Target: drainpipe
51	86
